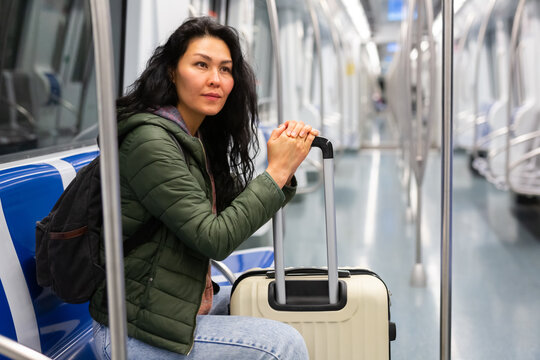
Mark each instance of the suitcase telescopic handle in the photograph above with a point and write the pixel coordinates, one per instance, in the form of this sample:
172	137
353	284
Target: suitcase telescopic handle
325	145
331	240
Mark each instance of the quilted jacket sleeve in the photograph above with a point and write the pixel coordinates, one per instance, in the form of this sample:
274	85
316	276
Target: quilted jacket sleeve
159	176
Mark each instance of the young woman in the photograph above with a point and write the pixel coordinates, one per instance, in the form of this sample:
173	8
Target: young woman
189	132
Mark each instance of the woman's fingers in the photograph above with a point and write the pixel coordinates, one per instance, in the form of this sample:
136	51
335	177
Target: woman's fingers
314	132
298	128
305	130
277	132
293	128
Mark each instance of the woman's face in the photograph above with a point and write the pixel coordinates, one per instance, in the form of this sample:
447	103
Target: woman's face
203	78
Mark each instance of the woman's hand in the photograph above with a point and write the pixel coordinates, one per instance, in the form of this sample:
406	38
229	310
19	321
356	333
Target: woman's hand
288	146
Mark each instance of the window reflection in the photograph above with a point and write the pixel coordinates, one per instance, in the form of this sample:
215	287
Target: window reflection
47	82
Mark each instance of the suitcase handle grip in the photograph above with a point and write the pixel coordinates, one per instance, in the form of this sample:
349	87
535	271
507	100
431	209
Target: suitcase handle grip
342	273
325	145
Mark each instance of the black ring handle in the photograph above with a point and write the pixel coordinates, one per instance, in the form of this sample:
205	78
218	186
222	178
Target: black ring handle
325	145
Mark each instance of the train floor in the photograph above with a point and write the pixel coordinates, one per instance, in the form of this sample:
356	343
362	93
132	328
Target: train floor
496	254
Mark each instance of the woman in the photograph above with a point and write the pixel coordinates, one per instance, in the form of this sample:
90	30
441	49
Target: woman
188	126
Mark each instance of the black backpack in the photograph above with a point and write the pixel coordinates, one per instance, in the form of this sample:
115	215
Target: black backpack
69	238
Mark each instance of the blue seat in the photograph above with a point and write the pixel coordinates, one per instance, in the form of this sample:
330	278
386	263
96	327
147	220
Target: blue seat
30	314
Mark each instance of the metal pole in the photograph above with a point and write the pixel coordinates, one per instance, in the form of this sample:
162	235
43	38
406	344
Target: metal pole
277	221
476	99
416	159
318	49
14	350
110	188
511	78
447	169
340	69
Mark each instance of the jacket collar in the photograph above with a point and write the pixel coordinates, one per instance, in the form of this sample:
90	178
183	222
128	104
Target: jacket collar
171	113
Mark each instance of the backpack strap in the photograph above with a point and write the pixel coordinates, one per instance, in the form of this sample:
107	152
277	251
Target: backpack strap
145	231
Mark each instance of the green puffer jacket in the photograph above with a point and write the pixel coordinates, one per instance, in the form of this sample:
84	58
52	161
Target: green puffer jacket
165	277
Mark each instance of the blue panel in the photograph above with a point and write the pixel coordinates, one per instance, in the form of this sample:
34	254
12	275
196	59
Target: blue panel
392	47
28	193
6	325
395	10
80	160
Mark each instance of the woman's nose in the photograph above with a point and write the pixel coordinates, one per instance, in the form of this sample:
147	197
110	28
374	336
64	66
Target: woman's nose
214	78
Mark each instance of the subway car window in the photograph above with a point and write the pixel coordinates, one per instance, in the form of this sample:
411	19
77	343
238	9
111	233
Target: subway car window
263	63
296	49
47	84
252	20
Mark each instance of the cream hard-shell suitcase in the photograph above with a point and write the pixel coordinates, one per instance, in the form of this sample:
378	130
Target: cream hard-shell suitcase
341	314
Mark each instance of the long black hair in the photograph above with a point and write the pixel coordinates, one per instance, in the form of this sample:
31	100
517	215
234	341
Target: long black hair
229	137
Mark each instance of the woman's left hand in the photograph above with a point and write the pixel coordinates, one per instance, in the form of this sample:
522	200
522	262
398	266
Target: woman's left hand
299	129
287	150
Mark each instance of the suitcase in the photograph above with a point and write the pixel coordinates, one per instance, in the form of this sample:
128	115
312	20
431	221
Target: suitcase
341	313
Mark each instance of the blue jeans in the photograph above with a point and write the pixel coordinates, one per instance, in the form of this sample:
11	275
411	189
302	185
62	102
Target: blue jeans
220	337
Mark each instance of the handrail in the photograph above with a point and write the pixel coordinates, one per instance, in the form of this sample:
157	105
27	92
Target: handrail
492	135
407	27
525	137
447	173
420	146
110	187
527	156
432	70
14	350
21	110
341	71
518	17
318	49
225	270
460	46
479	44
407	98
277	220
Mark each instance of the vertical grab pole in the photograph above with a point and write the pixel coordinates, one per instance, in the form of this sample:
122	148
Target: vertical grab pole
417	156
318	49
447	168
476	99
511	79
277	221
336	42
110	184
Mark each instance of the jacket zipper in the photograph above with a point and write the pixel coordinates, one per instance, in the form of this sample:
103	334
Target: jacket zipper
212	183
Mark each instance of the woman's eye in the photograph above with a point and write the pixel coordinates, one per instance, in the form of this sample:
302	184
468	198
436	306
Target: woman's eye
226	69
201	64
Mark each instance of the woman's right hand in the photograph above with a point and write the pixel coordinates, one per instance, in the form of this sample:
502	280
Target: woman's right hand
288	146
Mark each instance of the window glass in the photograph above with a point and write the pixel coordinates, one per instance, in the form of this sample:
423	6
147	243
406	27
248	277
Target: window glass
252	21
297	51
47	77
263	63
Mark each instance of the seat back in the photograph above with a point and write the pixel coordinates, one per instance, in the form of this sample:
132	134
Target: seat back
32	315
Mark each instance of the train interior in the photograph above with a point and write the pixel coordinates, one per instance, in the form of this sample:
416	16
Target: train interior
368	75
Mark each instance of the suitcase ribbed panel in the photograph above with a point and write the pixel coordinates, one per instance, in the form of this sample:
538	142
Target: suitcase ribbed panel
358	331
